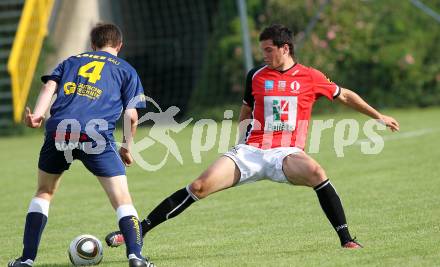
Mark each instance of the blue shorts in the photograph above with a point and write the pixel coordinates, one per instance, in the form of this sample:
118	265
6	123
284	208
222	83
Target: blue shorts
107	164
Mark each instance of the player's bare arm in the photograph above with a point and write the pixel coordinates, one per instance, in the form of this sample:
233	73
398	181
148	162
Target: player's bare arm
245	114
354	101
130	115
34	120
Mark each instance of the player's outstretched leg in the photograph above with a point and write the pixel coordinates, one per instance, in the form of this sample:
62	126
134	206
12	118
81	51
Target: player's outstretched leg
36	218
117	190
222	174
332	207
167	209
301	169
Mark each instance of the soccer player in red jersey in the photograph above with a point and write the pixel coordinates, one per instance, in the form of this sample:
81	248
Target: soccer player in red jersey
278	98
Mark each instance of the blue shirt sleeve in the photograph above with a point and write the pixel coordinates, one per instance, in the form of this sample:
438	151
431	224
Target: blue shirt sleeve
56	74
133	92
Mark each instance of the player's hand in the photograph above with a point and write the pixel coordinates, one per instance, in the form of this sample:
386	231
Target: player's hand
31	120
390	122
126	156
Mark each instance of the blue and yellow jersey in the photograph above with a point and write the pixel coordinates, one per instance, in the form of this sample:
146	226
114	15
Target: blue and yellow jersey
93	85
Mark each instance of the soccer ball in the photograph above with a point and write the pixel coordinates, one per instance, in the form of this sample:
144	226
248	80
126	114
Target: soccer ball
85	250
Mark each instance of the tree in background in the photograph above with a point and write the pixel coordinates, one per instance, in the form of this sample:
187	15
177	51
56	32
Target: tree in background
386	50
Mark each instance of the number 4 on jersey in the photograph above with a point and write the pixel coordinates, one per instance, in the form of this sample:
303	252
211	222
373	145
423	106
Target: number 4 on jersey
93	75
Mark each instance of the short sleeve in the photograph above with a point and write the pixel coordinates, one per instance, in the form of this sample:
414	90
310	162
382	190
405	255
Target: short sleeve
248	98
56	75
133	92
322	85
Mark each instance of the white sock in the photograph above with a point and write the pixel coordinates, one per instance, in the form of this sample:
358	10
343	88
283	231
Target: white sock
126	210
39	205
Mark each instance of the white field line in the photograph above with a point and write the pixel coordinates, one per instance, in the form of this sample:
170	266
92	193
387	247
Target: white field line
398	136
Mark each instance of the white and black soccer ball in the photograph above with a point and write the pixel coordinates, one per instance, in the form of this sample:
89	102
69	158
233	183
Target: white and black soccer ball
85	250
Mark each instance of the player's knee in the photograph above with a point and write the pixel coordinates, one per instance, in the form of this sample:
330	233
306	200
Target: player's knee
316	175
198	188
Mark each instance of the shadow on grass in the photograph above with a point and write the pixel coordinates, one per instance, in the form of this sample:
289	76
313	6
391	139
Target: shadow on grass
121	262
104	262
55	265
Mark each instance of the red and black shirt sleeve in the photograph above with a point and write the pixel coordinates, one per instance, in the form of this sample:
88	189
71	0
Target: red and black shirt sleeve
248	98
323	86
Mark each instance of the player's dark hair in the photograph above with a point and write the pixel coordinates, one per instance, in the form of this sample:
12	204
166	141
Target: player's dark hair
106	34
279	34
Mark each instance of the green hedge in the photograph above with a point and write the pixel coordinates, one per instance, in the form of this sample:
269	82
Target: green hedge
387	51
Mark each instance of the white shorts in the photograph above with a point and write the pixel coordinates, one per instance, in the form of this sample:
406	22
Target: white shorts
259	164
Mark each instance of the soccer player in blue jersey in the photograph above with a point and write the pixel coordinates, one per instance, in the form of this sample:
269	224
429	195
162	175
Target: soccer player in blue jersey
92	90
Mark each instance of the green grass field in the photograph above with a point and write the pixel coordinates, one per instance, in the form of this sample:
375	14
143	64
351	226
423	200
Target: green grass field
392	201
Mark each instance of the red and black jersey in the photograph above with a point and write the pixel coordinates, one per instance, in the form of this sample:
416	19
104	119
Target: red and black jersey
282	103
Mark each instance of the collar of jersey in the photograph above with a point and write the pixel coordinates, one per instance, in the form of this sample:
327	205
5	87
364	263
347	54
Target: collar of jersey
285	71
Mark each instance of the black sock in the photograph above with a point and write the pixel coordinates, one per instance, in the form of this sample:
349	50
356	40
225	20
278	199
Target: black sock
332	207
169	208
